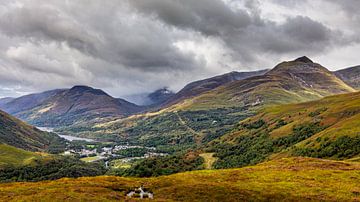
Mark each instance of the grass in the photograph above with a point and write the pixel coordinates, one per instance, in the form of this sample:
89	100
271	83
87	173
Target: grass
11	156
90	159
289	179
120	164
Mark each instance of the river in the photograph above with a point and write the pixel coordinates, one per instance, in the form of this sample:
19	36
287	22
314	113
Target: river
67	137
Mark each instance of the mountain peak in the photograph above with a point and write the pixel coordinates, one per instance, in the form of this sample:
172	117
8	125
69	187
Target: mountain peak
164	90
160	95
299	67
304	59
83	88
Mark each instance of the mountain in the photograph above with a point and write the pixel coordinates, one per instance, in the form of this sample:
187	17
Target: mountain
28	101
151	100
289	179
288	82
325	128
68	106
163	97
160	96
5	100
16	133
198	87
208	116
351	76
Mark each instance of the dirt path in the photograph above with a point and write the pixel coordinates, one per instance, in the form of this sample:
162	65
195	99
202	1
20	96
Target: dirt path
209	159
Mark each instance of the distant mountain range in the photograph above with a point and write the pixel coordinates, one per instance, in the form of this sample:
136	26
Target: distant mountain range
209	115
64	107
289	82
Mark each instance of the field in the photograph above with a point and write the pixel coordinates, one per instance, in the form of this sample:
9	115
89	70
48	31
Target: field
117	164
289	179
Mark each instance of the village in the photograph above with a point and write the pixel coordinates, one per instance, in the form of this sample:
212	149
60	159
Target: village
92	152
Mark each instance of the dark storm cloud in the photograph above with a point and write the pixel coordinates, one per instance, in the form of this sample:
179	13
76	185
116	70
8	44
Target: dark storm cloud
44	22
211	17
135	46
242	30
145	45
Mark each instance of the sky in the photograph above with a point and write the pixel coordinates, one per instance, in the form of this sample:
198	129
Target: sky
128	47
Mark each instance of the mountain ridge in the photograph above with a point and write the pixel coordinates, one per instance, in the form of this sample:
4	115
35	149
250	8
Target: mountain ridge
288	82
350	75
67	106
201	86
211	114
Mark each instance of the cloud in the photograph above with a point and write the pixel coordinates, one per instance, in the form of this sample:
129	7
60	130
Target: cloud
135	46
243	29
213	19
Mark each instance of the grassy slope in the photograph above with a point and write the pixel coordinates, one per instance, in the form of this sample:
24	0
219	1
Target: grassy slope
21	135
338	110
339	115
291	179
11	156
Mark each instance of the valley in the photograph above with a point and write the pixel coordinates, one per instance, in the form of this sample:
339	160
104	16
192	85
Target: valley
247	127
179	100
110	154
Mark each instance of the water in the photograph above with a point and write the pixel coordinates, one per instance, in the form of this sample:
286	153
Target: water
45	129
67	137
72	138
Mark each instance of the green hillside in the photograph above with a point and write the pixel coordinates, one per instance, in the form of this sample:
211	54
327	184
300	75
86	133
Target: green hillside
14	157
291	179
327	128
21	135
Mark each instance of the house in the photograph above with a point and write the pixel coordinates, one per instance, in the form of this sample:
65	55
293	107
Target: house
140	193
